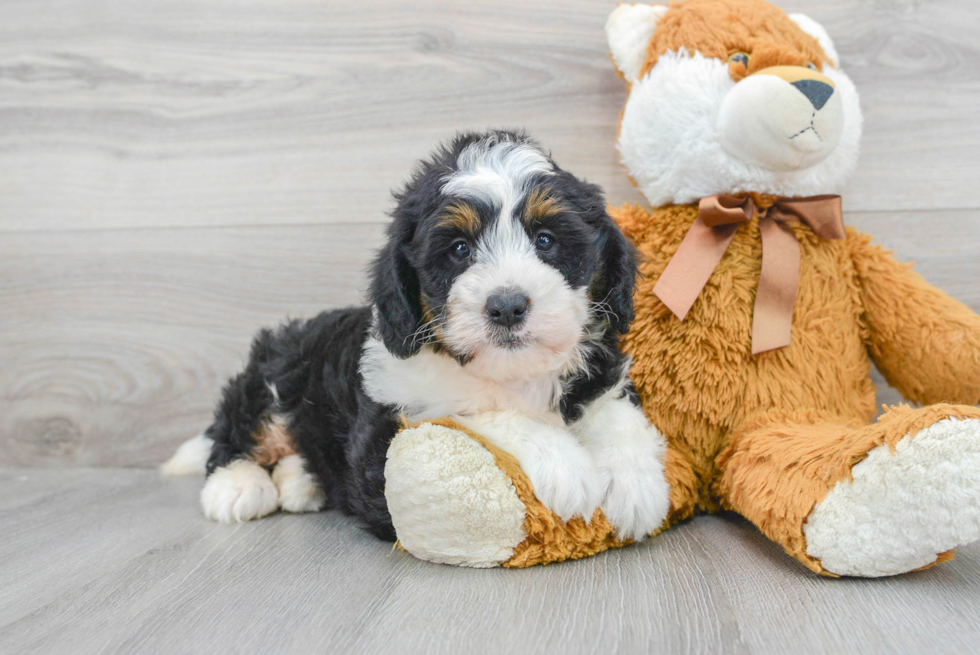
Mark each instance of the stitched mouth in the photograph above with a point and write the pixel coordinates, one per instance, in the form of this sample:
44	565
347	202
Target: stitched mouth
809	128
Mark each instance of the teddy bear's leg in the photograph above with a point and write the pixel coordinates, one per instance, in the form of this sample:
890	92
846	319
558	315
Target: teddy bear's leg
684	485
455	498
449	501
848	499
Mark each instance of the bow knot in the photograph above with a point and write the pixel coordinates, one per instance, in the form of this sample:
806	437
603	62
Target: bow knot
709	237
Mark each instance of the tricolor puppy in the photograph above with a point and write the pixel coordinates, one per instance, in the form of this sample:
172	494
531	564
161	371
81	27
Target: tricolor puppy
498	300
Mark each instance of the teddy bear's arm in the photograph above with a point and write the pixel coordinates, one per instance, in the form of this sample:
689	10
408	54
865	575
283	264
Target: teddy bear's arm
925	343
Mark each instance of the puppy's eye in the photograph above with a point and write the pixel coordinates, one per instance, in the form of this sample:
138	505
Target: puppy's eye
544	242
739	58
811	65
460	250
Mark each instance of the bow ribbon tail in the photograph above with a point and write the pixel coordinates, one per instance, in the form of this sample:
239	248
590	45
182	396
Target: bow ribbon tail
772	319
692	265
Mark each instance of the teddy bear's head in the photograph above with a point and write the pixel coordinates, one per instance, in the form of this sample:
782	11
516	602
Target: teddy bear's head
729	96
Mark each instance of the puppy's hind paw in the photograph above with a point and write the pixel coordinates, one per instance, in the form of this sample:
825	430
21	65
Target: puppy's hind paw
240	491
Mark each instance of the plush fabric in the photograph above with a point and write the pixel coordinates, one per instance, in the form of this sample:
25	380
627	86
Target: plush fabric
451	507
723	27
450	499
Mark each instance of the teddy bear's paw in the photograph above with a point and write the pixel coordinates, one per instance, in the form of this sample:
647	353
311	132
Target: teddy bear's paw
449	501
240	491
637	496
564	476
902	507
298	489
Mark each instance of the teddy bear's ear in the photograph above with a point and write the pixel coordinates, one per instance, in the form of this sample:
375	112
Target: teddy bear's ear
629	30
816	30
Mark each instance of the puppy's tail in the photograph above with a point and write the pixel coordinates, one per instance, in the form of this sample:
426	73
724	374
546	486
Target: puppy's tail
191	457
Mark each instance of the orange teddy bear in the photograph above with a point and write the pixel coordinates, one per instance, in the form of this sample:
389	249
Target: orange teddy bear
757	318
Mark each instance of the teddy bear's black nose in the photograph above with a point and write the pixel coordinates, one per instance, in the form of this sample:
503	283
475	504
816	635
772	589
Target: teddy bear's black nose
818	93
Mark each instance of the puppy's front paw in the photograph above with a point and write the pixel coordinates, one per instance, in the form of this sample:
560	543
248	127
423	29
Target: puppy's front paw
240	491
637	500
566	481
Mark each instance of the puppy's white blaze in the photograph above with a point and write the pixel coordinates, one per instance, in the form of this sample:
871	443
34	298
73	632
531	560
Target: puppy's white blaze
496	172
674	112
506	240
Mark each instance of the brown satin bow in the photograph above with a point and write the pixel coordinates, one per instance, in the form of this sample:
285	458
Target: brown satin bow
709	237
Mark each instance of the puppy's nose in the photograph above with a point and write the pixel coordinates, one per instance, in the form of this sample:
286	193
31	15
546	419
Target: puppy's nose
507	307
815	91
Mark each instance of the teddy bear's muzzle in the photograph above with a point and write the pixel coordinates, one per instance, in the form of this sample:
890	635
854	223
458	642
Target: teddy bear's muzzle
782	118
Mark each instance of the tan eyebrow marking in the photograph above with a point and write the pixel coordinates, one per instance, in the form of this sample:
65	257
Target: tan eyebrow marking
462	216
540	205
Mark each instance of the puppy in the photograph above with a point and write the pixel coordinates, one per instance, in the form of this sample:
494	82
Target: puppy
498	300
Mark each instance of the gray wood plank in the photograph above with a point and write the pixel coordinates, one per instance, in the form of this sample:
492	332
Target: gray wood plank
230	113
115	343
121	561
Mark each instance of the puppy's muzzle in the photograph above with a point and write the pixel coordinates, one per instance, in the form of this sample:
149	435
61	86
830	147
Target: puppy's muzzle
507	307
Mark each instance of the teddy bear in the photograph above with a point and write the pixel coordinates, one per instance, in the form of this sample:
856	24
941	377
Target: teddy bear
758	317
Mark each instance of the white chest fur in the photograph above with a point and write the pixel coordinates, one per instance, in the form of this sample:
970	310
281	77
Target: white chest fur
430	385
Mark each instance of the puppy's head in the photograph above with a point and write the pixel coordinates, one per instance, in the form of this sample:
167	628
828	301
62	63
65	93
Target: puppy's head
499	258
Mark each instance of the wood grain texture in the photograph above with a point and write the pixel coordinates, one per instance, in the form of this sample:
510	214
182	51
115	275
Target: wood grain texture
230	113
121	561
175	175
115	343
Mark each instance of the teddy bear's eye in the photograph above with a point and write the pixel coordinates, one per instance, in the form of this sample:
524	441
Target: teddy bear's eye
739	58
811	65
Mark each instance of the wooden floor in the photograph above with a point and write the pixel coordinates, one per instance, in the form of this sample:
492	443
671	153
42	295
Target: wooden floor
121	561
175	174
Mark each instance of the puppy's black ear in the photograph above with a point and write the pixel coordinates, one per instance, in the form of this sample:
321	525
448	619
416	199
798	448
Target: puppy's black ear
615	278
395	292
615	274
